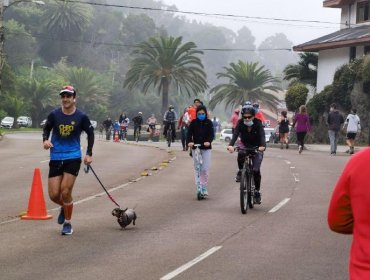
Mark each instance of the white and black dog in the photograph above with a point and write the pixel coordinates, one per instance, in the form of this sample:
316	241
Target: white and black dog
124	217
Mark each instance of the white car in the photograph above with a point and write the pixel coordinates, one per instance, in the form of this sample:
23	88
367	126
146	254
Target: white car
268	132
7	122
24	121
226	134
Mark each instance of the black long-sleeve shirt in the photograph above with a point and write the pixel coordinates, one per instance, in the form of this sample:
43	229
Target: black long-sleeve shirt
200	132
253	138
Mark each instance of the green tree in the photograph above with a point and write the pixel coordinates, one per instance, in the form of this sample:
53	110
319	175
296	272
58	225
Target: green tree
163	62
305	71
65	21
39	96
296	96
247	81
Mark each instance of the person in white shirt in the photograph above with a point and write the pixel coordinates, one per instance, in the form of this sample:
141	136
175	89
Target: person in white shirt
353	127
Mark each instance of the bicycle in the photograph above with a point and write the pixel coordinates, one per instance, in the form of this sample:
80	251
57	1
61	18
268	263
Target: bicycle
137	131
169	133
198	166
247	185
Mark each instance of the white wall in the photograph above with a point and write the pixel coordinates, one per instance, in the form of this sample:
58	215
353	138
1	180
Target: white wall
329	62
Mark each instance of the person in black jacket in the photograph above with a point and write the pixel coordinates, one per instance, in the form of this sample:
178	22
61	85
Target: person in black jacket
252	135
335	121
201	132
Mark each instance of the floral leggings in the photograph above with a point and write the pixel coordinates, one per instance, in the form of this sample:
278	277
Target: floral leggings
202	180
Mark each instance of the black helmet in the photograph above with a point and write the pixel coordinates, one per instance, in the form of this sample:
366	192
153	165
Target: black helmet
256	105
248	110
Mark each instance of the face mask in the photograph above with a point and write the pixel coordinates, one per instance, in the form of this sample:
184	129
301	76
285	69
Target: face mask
248	123
201	117
172	110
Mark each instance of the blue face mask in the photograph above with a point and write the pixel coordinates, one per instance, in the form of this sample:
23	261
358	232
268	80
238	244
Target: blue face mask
248	123
201	117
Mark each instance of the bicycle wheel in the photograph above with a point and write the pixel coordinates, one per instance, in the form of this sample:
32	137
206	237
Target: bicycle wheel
250	190
169	137
244	180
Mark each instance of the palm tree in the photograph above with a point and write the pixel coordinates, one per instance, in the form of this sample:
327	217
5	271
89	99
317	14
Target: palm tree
164	62
39	95
66	22
247	81
305	71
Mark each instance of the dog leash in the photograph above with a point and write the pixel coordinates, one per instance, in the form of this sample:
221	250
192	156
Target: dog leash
86	169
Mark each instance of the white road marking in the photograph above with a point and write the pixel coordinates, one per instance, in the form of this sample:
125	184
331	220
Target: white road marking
193	262
281	204
292	167
43	161
288	162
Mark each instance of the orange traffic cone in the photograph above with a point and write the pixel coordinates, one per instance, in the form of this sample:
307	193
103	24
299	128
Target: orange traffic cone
36	204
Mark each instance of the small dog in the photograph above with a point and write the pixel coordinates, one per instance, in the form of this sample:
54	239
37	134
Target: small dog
124	217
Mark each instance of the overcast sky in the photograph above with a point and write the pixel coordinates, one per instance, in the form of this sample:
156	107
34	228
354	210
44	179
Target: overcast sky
308	10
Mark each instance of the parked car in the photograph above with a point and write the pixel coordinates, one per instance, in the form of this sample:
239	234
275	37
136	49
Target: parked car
24	121
7	122
275	137
269	131
226	134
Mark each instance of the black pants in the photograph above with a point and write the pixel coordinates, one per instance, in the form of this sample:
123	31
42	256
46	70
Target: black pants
300	138
173	130
137	127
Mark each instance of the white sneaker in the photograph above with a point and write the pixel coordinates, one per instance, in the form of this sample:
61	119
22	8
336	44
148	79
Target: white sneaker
300	149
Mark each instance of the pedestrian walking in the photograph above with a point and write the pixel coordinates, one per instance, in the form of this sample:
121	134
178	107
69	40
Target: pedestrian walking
66	124
335	121
183	125
201	132
152	122
215	125
302	126
349	210
353	126
284	130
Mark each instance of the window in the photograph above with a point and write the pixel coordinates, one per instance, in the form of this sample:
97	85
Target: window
366	50
363	11
352	53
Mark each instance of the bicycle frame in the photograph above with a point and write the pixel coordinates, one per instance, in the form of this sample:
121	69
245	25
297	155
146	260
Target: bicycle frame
247	186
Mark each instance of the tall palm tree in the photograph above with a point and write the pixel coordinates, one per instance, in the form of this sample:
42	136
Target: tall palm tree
305	71
164	62
66	22
247	81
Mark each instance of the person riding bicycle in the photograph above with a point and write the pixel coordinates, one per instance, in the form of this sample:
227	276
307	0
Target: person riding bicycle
252	135
138	122
259	115
107	124
201	132
169	118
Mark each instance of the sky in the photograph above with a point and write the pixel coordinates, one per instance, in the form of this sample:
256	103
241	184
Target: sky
307	10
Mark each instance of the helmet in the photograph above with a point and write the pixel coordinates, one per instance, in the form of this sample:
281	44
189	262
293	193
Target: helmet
248	110
171	107
68	90
256	105
248	103
140	113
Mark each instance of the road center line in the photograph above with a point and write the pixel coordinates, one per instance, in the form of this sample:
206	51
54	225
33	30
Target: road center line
281	204
193	262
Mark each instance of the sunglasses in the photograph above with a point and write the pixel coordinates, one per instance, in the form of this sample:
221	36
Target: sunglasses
247	117
201	114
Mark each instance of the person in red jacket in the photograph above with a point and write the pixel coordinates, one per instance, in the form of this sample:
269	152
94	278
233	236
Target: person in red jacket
192	111
349	212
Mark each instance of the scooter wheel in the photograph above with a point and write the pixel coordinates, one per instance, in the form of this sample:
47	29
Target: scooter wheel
200	196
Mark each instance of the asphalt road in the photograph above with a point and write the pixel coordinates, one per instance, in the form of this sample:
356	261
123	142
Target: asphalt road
176	236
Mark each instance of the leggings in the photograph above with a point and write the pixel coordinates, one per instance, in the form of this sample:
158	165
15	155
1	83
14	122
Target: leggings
204	169
300	138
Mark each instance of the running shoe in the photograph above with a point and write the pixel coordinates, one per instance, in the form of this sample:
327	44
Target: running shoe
238	176
257	197
205	191
67	229
300	149
61	217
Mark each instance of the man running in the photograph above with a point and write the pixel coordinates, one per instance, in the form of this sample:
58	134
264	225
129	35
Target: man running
66	124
